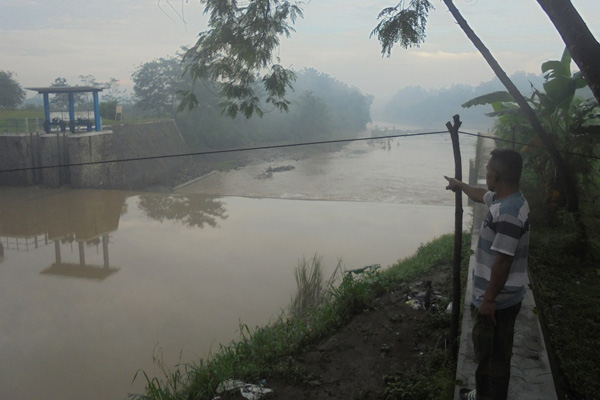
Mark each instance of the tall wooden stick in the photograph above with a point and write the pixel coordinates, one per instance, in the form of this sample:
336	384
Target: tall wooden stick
458	219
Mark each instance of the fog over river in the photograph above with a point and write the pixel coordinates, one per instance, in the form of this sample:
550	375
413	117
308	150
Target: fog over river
94	284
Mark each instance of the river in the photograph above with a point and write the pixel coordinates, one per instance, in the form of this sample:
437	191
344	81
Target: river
96	285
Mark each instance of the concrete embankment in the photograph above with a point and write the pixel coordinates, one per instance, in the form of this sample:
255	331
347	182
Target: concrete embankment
83	160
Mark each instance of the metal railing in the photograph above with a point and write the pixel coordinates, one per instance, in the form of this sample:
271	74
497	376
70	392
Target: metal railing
21	125
24	243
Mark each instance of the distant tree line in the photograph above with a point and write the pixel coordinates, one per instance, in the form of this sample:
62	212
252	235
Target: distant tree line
319	108
423	108
430	108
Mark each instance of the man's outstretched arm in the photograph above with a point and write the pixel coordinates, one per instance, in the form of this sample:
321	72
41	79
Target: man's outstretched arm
475	193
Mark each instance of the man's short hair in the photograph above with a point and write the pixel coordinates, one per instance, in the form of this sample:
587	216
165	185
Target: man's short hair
508	165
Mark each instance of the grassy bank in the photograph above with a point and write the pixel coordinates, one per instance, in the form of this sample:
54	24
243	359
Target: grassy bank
21	114
272	351
566	284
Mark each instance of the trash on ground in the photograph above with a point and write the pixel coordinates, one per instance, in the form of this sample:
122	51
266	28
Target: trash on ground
414	304
248	390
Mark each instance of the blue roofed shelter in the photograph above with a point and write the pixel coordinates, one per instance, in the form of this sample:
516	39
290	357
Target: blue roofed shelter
70	91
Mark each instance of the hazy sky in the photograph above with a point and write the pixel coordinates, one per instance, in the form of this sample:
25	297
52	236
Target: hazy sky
41	40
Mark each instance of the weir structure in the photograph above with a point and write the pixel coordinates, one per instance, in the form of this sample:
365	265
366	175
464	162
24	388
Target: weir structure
128	157
71	91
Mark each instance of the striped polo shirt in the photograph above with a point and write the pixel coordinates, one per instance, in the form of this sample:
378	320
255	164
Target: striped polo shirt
505	229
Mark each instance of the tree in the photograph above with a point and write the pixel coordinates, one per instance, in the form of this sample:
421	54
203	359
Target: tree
573	124
11	93
108	109
238	52
349	108
112	95
111	90
582	45
157	83
60	101
190	210
400	23
311	119
565	175
338	111
89	80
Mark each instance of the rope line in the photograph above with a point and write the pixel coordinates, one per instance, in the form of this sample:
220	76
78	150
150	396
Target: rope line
529	145
279	146
202	153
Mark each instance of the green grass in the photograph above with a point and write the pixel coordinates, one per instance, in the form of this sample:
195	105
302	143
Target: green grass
21	114
269	350
567	292
433	379
427	258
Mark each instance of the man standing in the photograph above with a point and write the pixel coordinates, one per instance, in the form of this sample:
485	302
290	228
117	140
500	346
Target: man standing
499	273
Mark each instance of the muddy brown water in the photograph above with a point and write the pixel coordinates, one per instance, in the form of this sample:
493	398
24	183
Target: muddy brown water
96	285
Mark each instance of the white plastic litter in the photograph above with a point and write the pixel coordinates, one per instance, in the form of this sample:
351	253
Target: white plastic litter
248	390
414	304
254	392
228	385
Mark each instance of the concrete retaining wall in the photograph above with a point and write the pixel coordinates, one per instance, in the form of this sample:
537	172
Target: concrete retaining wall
53	150
125	142
19	152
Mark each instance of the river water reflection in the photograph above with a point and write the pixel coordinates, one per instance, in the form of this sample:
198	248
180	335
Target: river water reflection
93	284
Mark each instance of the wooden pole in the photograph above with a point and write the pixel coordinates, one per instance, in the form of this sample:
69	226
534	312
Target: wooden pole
458	218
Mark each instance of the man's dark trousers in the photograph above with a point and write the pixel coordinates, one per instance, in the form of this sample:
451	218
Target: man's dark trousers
493	350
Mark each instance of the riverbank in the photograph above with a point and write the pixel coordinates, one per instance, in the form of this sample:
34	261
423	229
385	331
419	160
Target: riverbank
374	338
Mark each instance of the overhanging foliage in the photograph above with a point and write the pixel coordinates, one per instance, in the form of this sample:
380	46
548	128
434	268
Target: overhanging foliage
404	23
238	52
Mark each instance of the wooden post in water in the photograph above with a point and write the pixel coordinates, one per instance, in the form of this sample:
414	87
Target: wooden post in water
458	218
105	250
81	253
57	251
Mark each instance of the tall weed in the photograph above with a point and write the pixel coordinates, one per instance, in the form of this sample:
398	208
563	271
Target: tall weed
312	291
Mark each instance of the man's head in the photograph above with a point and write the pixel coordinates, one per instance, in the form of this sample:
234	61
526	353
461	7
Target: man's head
504	167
